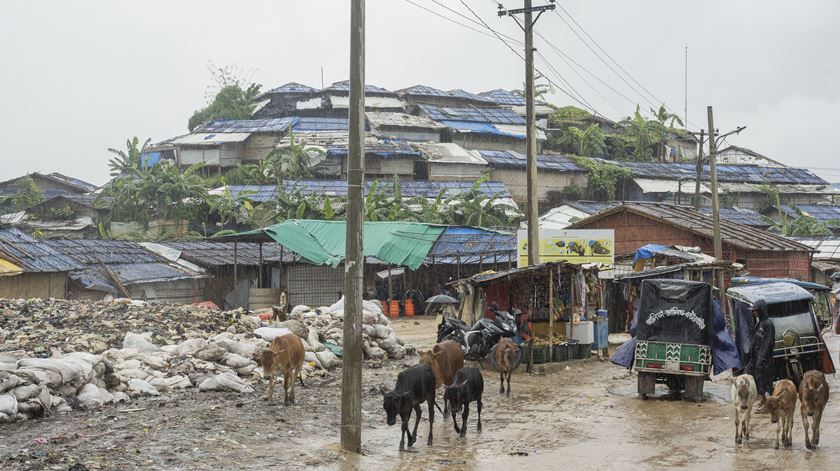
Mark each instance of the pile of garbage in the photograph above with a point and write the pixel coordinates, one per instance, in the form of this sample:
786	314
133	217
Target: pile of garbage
47	327
324	330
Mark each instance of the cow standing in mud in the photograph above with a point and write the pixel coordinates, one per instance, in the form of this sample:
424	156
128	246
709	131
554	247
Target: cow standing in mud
813	394
415	385
781	405
467	387
285	353
743	393
507	358
445	358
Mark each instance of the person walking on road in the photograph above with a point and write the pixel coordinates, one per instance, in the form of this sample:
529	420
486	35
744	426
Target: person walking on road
760	356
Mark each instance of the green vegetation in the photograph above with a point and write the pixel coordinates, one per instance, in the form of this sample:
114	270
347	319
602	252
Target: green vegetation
129	161
603	178
802	225
29	194
64	213
235	99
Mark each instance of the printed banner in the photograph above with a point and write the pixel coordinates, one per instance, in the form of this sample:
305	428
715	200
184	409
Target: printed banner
573	245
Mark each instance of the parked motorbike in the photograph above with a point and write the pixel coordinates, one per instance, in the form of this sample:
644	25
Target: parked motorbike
479	339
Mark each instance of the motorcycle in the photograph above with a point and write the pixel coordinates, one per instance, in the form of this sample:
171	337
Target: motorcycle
479	339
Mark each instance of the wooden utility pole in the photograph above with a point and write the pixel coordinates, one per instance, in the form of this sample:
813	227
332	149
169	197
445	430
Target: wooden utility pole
351	375
713	168
531	125
699	172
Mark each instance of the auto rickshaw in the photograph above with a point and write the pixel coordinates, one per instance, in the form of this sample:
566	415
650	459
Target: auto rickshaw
799	346
674	336
823	307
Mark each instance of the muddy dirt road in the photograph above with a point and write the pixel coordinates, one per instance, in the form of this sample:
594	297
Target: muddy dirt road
580	415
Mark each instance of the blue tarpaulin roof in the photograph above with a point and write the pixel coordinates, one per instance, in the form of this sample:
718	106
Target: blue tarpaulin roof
248	125
292	87
478	128
821	212
470	96
305	124
480	115
344	87
422	90
471	245
385	150
747	217
409	189
648	251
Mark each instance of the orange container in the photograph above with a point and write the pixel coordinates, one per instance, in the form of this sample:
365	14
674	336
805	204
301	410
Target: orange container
395	309
409	308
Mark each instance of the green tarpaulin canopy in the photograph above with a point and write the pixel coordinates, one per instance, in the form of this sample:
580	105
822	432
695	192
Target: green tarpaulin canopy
323	242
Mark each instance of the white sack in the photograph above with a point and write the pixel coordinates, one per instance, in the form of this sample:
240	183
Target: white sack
91	397
225	382
138	342
270	333
138	386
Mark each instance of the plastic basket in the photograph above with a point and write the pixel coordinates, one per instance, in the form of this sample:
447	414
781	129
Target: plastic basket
561	352
583	350
540	354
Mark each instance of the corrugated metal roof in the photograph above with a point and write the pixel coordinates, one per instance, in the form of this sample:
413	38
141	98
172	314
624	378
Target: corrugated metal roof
503	97
306	124
371	102
216	254
422	90
746	217
344	87
821	212
827	247
210	139
70	184
467	245
292	88
409	189
247	125
449	153
649	185
685	217
744	174
480	115
511	159
80	184
469	96
401	120
34	255
383	150
592	207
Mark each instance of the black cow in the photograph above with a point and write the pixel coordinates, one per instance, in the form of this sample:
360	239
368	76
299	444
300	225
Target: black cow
415	385
468	386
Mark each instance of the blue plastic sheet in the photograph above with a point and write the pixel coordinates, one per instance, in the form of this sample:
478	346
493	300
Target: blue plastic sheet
648	251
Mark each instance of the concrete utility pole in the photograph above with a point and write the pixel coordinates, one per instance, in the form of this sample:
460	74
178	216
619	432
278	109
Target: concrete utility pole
531	124
699	171
354	263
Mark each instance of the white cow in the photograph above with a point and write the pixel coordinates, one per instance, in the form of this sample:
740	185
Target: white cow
743	393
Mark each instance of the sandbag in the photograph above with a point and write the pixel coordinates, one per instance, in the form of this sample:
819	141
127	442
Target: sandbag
313	341
9	381
120	396
382	332
368	330
59	370
270	333
297	327
373	352
225	382
91	397
240	348
212	352
189	347
138	342
398	352
8	408
298	310
326	358
132	373
138	386
235	361
387	343
338	306
25	392
372	306
246	370
171	382
337	315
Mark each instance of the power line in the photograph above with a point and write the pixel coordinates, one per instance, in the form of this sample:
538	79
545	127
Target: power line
593	110
449	19
509	38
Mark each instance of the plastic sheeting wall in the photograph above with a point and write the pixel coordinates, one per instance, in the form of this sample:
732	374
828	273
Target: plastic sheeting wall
314	285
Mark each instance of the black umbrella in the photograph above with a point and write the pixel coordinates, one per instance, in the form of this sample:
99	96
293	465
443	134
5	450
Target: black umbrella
441	299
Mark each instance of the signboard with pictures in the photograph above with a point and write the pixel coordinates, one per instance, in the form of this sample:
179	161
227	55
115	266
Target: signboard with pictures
573	245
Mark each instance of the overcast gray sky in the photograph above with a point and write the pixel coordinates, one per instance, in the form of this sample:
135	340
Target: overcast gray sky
80	76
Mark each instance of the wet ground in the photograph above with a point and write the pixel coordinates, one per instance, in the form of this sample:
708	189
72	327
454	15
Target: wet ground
579	415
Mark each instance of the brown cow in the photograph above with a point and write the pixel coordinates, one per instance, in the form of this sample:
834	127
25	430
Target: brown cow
445	358
781	404
506	360
813	393
285	353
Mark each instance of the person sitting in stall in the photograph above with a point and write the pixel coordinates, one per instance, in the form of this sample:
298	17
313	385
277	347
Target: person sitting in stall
760	356
523	325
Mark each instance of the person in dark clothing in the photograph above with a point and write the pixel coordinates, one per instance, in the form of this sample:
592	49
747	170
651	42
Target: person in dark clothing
760	356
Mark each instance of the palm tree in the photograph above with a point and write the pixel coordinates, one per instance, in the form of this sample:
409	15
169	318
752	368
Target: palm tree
128	161
645	134
663	115
588	142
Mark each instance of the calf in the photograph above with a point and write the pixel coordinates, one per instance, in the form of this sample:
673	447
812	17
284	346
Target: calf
813	394
415	385
781	404
468	387
445	358
743	393
507	359
285	353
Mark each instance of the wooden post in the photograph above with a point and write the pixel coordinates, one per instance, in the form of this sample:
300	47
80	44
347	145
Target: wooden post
390	286
236	269
551	314
260	270
458	255
573	307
